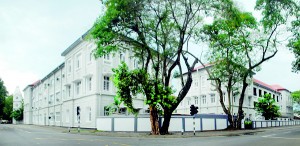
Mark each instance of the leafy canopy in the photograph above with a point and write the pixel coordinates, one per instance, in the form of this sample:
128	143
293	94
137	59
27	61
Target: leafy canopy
296	96
267	107
132	83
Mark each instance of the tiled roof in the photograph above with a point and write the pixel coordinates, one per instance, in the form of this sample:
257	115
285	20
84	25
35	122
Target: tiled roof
272	87
201	66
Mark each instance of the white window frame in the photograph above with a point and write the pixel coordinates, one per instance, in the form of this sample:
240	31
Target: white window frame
212	98
106	83
203	97
78	87
78	61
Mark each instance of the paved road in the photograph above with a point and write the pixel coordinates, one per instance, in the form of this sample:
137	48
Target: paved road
24	135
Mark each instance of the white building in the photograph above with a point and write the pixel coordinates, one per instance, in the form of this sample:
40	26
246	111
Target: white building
80	82
17	101
203	94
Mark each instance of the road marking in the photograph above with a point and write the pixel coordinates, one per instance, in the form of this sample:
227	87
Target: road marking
269	135
284	138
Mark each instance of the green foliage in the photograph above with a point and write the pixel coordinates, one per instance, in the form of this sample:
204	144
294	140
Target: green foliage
8	107
267	107
296	96
3	94
18	114
138	82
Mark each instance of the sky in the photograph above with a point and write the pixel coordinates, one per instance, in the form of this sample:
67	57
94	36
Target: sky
34	33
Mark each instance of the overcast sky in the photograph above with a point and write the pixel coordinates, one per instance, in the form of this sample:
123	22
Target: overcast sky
34	33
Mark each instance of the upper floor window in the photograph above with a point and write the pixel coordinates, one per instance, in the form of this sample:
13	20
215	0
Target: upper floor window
212	98
259	93
106	83
78	87
89	83
106	57
122	57
254	91
196	100
78	61
69	66
202	82
204	99
68	91
91	54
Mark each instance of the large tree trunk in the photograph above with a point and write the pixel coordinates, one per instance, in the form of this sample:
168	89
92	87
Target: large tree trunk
241	101
165	127
154	120
231	122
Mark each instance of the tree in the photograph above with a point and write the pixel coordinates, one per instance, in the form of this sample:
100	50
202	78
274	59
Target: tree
3	94
264	47
296	96
157	32
241	44
18	114
8	107
267	107
227	42
294	41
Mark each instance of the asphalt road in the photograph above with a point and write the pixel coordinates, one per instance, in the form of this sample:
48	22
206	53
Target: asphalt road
24	135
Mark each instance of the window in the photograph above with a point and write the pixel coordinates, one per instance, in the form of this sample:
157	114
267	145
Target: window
202	82
90	56
196	100
259	93
204	99
277	99
265	92
89	83
78	87
69	90
274	96
122	57
78	61
106	83
224	97
212	98
106	57
254	91
69	66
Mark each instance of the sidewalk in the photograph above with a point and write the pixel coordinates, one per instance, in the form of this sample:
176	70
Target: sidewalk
171	135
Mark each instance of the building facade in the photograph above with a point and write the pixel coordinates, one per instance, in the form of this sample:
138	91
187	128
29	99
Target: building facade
78	90
204	95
